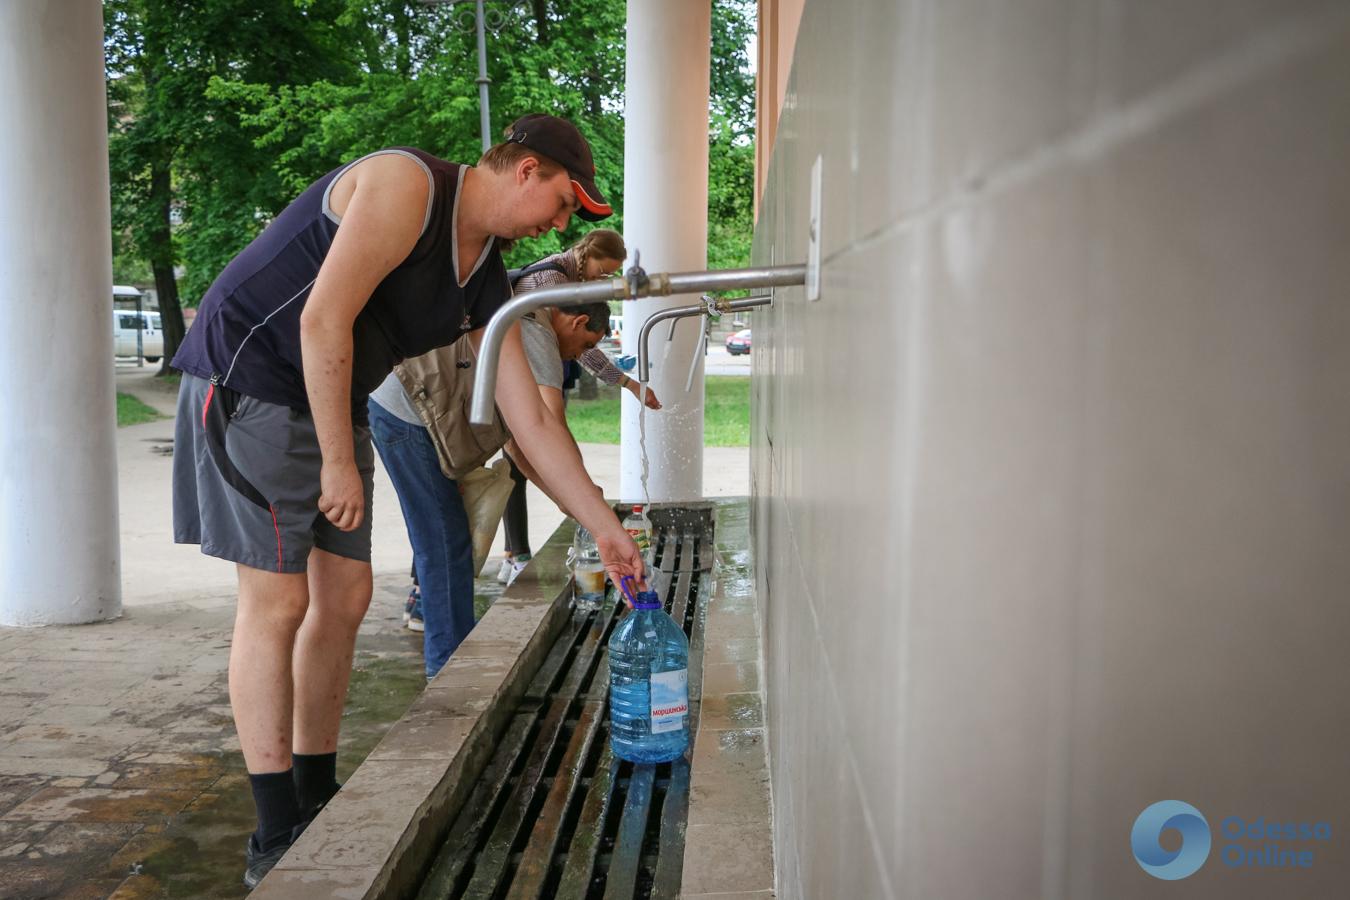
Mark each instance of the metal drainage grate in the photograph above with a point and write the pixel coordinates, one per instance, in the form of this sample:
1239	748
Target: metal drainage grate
554	814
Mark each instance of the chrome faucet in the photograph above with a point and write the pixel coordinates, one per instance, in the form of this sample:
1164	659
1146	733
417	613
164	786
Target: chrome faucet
710	308
635	283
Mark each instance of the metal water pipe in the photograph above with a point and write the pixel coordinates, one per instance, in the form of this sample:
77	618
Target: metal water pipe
636	283
711	307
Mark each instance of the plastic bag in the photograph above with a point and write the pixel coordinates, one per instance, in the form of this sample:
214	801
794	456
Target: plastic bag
485	491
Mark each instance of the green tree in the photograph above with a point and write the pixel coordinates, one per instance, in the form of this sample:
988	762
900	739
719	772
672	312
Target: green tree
731	147
222	111
176	154
416	86
140	151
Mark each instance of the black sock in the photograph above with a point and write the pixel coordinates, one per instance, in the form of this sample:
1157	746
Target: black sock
315	779
278	812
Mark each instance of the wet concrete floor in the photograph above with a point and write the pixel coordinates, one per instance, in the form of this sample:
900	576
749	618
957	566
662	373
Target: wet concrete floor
120	772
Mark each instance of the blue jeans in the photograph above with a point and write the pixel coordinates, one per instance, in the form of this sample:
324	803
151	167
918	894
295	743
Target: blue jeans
438	529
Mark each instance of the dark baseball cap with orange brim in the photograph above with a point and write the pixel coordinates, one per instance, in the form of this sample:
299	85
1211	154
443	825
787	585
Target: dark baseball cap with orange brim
562	142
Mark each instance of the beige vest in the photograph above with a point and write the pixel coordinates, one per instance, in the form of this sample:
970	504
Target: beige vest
440	385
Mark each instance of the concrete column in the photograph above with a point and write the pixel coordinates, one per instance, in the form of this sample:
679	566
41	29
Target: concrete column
59	550
666	217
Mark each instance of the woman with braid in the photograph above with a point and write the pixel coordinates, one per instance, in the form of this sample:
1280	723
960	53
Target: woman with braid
597	255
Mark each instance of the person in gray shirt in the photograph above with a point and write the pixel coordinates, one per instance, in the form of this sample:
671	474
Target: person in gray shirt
433	510
598	254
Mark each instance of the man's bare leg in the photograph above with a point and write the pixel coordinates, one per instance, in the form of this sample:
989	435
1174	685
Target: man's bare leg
339	591
271	608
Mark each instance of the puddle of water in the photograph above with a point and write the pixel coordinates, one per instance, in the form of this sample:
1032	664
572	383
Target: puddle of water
733	739
382	689
201	853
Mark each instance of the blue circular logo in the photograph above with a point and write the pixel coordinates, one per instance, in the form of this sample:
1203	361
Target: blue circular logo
1170	865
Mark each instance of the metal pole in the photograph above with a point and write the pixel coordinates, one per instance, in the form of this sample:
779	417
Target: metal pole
480	28
140	341
731	279
484	117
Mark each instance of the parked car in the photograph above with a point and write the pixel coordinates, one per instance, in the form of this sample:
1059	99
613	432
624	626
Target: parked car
615	339
739	342
124	334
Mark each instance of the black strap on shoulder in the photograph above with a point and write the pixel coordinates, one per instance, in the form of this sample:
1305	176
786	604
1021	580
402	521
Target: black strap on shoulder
540	265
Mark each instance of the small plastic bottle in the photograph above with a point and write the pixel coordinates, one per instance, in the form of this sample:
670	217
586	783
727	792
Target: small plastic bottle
588	571
648	683
640	528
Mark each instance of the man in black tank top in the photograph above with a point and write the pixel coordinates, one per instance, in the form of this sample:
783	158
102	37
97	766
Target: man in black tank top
383	259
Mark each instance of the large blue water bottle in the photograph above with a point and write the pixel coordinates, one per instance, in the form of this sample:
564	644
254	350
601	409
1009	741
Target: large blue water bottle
648	683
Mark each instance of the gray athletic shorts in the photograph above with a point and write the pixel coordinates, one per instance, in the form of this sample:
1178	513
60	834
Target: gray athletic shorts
246	481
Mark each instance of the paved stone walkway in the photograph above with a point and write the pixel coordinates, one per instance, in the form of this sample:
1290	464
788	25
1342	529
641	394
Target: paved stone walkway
120	774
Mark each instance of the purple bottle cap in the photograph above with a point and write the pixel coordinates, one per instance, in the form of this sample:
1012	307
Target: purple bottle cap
641	600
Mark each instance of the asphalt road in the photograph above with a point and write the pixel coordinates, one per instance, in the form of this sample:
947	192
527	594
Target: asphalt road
718	361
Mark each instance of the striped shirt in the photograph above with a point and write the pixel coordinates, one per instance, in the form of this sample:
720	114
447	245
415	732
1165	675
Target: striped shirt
595	360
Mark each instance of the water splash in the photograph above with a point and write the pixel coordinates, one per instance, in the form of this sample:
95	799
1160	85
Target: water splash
642	442
700	347
670	339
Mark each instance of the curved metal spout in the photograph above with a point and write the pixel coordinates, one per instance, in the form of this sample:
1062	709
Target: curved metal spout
675	312
657	285
489	352
683	312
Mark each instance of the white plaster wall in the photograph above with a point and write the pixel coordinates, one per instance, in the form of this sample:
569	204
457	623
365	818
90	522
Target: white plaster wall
1052	486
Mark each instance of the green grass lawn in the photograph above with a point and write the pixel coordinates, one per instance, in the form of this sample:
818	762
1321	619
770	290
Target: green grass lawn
131	411
726	414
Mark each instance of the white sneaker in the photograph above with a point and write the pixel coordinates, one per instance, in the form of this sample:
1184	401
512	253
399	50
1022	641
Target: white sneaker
504	573
516	569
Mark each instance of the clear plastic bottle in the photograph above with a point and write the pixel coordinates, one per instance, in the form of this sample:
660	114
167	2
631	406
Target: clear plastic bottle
639	527
648	684
588	571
